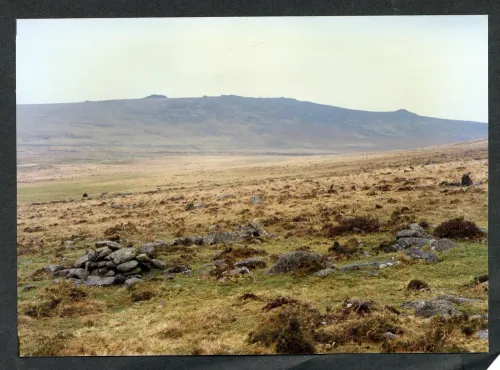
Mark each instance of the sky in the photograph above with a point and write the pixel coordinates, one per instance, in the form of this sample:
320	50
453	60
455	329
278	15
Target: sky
434	66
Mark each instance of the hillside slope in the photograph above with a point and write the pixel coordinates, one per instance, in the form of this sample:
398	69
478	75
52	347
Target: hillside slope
233	123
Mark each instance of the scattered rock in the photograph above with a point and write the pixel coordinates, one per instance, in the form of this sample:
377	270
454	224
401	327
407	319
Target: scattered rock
417	227
28	287
432	307
132	281
53	268
416	234
99	281
297	261
325	272
158	264
148	249
415	253
442	245
77	273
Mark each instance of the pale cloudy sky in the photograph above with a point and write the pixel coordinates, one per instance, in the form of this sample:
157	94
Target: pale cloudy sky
434	66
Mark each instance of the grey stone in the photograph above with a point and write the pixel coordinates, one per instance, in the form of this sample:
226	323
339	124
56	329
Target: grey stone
296	261
389	335
132	281
123	255
101	264
143	257
483	334
410	234
92	256
434	307
442	245
158	264
382	266
120	279
251	263
28	287
80	262
220	237
99	281
127	266
103	252
251	229
62	273
415	253
417	227
102	271
407	242
110	265
53	268
148	249
135	271
325	272
108	243
110	273
78	273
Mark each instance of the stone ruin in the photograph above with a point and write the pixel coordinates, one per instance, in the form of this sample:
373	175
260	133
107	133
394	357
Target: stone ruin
112	264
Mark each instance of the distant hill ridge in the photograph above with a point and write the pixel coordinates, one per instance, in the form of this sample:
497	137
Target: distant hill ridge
233	123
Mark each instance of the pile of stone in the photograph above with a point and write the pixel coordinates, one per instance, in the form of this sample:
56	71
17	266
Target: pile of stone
412	240
249	231
441	306
112	264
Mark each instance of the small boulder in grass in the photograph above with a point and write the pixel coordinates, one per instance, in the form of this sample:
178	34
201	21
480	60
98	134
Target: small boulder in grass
158	264
132	281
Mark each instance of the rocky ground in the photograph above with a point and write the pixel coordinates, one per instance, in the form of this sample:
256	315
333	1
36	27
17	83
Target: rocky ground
379	254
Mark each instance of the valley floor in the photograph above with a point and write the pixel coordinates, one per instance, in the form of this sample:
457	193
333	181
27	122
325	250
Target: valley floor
290	197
